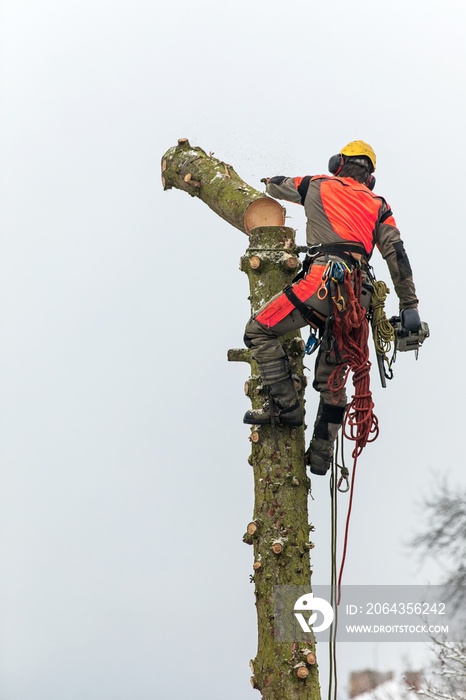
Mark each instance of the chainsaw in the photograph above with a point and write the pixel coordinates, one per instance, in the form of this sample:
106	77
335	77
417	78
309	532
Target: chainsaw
410	333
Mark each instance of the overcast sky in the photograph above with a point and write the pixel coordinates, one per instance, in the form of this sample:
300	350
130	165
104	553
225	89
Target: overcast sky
125	488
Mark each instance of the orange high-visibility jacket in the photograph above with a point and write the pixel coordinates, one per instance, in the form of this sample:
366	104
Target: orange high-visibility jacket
340	208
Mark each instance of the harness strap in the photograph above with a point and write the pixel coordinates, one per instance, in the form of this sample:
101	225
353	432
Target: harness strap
313	317
385	216
343	250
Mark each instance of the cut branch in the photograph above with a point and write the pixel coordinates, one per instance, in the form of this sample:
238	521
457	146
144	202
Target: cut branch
301	671
277	547
191	169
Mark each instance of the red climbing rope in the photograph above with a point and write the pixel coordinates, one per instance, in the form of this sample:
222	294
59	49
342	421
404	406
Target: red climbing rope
351	333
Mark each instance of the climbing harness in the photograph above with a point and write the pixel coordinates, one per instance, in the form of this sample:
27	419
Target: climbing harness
345	250
344	337
332	277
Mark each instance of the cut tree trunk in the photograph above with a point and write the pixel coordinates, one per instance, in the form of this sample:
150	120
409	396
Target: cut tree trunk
279	531
201	175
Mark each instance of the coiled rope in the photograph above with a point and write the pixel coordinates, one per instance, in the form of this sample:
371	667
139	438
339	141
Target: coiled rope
383	332
351	333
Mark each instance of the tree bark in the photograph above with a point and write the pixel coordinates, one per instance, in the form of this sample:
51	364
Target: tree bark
201	175
279	530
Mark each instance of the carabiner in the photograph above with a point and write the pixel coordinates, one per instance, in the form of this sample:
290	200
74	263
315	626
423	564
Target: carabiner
344	477
339	300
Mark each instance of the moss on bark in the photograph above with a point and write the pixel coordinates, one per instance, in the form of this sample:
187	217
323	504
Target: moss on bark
192	170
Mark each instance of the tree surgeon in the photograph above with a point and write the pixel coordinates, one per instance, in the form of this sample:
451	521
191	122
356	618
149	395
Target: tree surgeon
345	221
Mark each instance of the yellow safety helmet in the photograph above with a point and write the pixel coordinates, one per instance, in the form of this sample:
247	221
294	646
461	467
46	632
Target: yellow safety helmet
359	148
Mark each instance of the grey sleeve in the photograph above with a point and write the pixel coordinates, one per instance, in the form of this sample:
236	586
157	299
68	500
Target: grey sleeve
388	241
283	188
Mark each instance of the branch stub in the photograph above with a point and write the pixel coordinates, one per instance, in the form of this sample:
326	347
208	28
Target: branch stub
291	262
301	671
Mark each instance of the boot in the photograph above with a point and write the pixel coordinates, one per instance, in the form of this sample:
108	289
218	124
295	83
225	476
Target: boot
319	454
283	406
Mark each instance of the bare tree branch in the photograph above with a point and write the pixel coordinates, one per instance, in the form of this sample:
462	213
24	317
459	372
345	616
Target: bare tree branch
444	538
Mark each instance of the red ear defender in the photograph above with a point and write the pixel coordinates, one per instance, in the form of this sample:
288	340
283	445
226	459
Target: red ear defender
335	164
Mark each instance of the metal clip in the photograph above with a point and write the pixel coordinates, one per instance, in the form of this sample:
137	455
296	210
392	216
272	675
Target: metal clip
338	300
343	478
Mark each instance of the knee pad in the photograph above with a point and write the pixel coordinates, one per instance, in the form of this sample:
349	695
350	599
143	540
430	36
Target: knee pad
333	414
328	414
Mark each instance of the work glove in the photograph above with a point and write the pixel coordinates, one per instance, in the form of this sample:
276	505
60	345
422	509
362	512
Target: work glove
410	320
